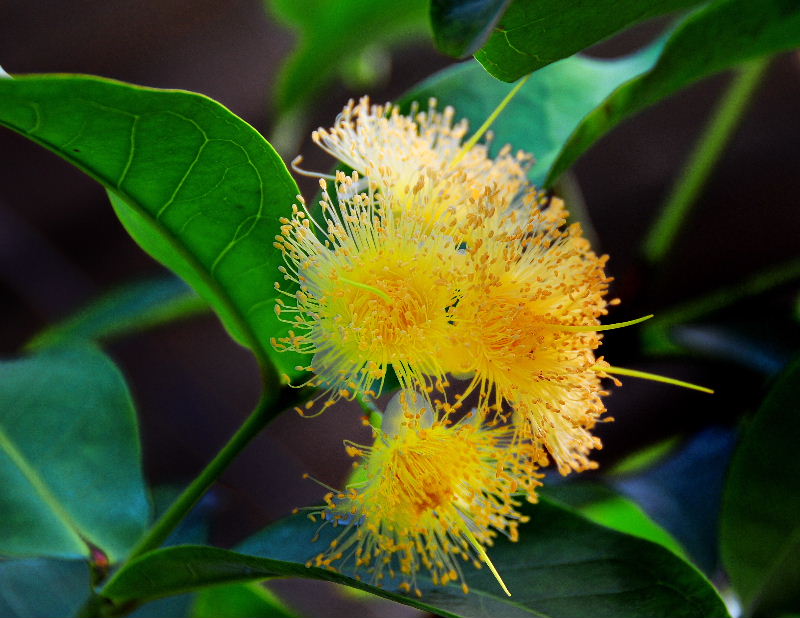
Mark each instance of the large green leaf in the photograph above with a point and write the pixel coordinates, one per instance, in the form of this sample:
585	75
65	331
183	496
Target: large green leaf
197	187
42	587
761	504
567	106
563	566
127	309
606	507
332	31
534	33
713	38
546	111
70	467
460	28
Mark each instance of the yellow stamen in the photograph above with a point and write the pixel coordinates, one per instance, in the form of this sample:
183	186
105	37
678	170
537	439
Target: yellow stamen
485	557
490	120
367	287
589	328
651	376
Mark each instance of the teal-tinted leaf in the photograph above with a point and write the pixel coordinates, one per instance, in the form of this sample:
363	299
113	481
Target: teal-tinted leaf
563	565
250	600
761	504
606	507
42	588
535	33
70	467
720	35
460	28
545	112
330	30
126	310
683	493
197	187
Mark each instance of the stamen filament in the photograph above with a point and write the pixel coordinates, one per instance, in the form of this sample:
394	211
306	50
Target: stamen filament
367	287
485	557
651	376
490	120
590	328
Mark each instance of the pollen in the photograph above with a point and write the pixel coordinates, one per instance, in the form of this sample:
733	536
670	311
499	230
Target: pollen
435	496
375	291
421	158
523	332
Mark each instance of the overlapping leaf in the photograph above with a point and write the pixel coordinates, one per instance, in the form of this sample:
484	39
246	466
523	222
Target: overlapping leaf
70	462
564	565
196	186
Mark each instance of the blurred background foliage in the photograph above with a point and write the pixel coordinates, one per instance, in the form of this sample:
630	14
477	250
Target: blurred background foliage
724	289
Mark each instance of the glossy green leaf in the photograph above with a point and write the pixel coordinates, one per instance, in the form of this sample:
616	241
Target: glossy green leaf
330	30
460	28
70	467
567	106
545	112
126	310
249	600
761	504
197	187
563	565
718	36
606	507
42	587
535	33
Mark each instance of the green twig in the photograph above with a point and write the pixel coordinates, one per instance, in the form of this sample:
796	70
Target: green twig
272	402
656	333
701	162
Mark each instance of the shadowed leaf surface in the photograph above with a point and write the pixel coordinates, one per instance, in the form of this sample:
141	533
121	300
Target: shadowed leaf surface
761	504
563	565
70	461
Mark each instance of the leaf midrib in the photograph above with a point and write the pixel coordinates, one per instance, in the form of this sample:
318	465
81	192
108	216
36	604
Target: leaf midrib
41	488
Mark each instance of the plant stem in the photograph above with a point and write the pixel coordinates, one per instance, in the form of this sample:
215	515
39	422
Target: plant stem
702	160
272	402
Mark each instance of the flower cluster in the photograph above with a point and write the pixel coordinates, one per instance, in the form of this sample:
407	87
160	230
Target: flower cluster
441	265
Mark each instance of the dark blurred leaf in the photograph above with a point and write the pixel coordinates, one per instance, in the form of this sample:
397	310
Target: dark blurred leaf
545	112
42	588
606	507
128	309
460	27
534	33
684	492
330	30
251	600
761	508
197	187
718	36
70	461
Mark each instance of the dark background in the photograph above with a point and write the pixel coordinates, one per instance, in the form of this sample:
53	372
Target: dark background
61	245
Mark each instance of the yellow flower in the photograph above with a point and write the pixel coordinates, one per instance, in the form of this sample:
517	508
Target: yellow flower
525	328
376	290
420	158
435	495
